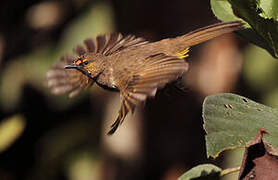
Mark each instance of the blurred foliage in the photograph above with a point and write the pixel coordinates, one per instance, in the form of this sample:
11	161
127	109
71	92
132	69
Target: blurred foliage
70	145
260	71
261	15
51	13
83	166
97	20
10	130
31	68
260	67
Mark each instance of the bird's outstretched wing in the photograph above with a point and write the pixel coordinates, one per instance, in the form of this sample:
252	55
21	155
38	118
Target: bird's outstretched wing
61	80
156	71
110	43
71	81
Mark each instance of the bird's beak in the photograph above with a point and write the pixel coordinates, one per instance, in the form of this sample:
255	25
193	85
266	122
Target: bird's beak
71	66
79	68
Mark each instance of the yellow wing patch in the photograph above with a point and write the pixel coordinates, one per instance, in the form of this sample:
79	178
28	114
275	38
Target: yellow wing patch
182	54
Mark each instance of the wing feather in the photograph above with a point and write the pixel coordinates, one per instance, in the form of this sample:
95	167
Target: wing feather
110	43
155	73
90	45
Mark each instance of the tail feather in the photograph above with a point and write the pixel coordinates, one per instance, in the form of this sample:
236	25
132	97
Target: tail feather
206	33
179	46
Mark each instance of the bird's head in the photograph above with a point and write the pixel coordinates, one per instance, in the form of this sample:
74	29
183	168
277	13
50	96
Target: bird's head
85	64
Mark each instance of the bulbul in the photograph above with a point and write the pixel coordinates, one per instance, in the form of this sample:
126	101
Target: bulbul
133	66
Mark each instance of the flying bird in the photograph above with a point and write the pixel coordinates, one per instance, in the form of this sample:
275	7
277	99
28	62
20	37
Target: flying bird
131	65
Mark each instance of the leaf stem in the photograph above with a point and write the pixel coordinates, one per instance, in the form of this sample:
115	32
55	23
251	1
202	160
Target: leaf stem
229	171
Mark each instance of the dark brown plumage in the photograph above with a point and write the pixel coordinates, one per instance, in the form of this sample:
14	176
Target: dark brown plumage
135	67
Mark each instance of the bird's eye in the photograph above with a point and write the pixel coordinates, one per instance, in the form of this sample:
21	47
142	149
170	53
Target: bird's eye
85	62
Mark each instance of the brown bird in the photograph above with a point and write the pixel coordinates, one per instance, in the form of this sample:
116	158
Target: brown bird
135	67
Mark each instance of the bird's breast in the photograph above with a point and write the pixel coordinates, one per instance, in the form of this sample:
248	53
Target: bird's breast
106	79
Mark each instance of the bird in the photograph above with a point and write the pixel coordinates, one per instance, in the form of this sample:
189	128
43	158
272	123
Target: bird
131	65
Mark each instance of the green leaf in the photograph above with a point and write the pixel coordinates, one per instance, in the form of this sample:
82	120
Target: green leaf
261	15
204	172
222	9
232	121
